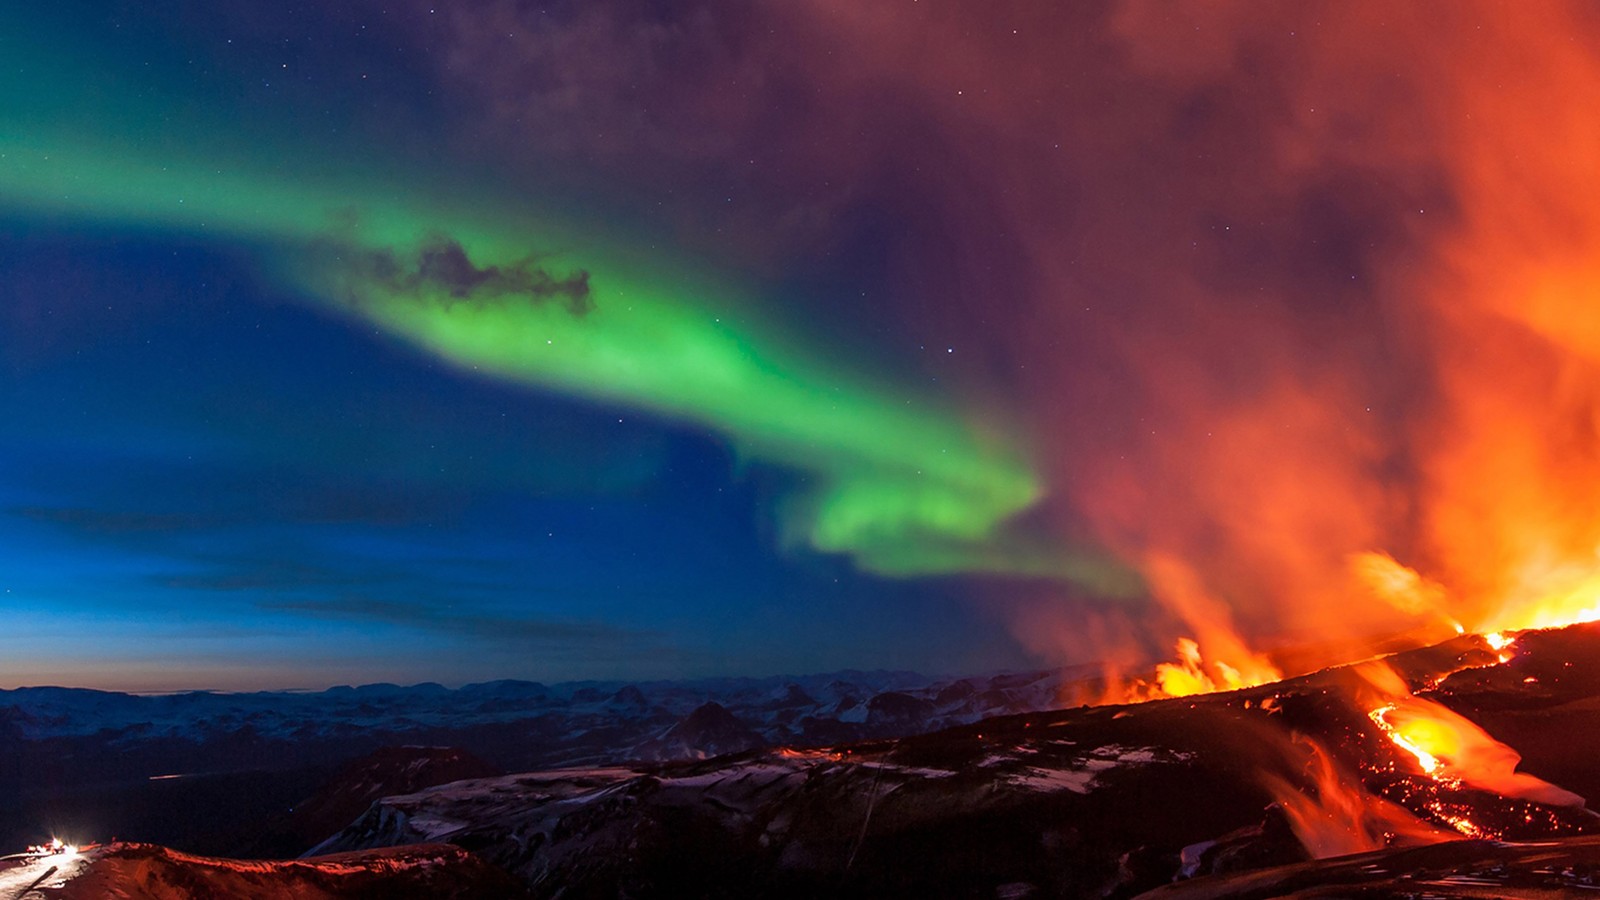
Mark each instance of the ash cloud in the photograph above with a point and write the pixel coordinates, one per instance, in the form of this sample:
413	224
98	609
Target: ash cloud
442	268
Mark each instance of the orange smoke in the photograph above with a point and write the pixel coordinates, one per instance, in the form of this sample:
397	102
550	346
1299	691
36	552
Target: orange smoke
1297	503
1513	451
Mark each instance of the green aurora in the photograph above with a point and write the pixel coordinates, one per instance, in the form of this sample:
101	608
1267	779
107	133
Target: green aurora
899	482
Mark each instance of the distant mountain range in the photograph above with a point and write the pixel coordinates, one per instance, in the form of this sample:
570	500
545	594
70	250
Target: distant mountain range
781	709
202	770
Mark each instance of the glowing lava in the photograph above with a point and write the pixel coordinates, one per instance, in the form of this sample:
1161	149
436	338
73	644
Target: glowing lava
1452	749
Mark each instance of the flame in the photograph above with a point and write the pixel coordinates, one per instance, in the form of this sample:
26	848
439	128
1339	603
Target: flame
1190	673
1451	748
1340	817
1187	676
1217	658
1555	608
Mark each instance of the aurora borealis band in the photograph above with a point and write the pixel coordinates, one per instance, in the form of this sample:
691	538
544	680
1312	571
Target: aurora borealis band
387	340
902	486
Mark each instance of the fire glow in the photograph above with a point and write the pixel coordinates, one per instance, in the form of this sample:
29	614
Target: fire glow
56	848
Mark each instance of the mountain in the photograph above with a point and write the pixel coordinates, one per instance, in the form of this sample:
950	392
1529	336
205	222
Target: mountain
1459	770
1466	740
387	771
1560	867
515	724
148	872
218	773
710	730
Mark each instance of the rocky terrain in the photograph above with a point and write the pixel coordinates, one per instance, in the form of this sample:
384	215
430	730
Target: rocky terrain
214	772
1098	802
147	872
1560	867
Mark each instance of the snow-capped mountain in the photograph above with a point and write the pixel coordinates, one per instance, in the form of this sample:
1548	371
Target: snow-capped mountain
781	709
203	770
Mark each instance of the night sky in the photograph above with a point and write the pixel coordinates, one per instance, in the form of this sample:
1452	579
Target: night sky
395	341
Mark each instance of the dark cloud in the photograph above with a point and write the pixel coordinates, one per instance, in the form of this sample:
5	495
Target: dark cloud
467	620
157	507
441	266
656	107
250	574
114	523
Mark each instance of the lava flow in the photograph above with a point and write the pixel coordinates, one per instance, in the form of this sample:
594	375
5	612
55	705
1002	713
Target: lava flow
1449	747
1338	816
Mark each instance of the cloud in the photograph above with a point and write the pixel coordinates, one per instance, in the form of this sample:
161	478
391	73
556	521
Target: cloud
273	574
115	523
441	268
468	620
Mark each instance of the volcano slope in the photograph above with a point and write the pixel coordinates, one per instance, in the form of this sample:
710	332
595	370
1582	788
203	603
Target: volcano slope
1088	802
127	871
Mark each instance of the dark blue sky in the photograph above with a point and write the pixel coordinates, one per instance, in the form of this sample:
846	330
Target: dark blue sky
205	484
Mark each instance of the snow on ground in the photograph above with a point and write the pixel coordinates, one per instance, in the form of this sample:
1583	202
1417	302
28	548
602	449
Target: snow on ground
21	876
1080	777
1079	781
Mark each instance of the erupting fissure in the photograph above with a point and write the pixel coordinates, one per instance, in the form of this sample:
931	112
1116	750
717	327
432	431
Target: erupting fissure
1197	669
1444	760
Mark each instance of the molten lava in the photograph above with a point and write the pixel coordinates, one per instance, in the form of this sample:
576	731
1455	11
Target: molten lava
1450	748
